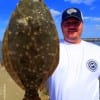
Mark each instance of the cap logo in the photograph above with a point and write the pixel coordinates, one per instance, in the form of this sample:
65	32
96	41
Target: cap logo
72	10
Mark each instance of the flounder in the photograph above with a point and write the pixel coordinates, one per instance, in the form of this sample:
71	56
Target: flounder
30	46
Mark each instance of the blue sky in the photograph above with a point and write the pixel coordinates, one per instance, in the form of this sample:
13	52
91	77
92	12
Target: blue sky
89	8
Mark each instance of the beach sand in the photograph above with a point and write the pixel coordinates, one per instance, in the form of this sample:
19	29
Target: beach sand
9	90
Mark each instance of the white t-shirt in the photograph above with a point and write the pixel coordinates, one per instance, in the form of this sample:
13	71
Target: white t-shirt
76	76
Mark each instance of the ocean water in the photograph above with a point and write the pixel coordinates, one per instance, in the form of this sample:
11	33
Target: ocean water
98	43
93	40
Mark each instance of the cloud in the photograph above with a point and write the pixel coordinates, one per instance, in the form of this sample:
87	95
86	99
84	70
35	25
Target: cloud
1	33
95	19
87	2
57	19
3	27
91	26
97	27
55	13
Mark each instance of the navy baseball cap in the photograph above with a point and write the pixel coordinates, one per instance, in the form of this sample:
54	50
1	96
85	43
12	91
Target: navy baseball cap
72	12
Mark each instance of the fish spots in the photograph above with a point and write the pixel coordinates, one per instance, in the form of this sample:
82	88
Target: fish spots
16	33
9	33
27	47
24	20
17	45
30	46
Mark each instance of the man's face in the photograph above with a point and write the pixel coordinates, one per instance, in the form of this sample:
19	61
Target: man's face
72	30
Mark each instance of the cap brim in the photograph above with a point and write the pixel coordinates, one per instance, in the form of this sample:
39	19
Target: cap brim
72	17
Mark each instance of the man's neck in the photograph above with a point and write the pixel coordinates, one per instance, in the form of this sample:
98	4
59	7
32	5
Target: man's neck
73	41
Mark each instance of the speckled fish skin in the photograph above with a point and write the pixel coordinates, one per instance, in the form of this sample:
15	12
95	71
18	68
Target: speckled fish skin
31	46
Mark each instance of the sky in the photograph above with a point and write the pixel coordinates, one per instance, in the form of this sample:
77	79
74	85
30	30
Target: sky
90	10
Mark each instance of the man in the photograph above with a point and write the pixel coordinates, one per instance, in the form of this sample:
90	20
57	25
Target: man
77	74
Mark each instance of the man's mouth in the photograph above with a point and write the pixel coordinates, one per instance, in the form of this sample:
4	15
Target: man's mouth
72	30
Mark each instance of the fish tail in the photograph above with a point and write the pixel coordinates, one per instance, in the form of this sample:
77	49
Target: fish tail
31	95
